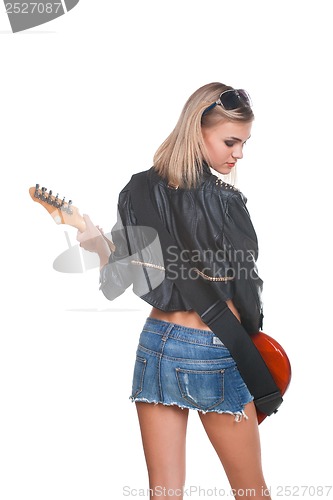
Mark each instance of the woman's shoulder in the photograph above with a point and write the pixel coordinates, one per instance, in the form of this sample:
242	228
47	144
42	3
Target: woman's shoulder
227	193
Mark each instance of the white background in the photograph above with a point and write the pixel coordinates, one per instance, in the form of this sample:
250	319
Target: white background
85	102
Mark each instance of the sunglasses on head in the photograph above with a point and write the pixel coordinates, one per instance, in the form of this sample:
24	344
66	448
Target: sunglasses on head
232	99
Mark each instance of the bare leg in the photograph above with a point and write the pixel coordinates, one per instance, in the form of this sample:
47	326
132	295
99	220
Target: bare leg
238	447
163	431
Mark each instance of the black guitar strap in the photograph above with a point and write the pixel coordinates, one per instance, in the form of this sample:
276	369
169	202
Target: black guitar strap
213	311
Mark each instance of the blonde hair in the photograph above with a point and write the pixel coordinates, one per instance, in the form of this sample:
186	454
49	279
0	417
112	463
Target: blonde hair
180	157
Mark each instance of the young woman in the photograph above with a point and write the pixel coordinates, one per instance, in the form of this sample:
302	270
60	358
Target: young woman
180	363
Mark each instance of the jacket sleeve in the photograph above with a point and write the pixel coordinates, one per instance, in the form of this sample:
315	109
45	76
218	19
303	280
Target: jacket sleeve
137	259
116	276
242	244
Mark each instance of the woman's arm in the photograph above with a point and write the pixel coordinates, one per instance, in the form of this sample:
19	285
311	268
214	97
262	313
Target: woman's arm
93	240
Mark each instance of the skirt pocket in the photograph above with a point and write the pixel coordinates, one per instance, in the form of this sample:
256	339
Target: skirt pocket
138	375
202	388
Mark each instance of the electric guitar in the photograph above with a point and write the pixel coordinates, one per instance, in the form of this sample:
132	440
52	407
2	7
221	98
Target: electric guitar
277	361
271	351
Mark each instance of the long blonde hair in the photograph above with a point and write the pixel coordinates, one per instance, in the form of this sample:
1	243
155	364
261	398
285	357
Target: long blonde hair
180	157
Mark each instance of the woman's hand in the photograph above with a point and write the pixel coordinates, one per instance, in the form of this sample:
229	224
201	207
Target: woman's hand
93	240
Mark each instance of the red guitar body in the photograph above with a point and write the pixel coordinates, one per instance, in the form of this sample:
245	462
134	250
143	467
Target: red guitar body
277	361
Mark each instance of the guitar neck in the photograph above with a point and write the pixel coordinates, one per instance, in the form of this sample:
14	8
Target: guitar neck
61	211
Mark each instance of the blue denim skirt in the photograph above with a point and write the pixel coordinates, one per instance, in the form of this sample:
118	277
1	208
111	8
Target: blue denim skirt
187	367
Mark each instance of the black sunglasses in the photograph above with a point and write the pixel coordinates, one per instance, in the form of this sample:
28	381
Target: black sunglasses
231	99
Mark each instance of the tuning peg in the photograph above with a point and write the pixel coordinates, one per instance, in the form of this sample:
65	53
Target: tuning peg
67	208
56	201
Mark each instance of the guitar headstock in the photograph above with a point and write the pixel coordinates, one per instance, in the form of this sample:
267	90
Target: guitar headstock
61	211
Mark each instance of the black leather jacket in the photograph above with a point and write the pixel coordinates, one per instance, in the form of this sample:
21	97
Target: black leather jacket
213	229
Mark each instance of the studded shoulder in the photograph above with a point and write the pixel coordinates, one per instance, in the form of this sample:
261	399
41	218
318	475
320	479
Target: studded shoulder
220	183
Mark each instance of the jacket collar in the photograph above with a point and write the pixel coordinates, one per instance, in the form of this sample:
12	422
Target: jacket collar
206	171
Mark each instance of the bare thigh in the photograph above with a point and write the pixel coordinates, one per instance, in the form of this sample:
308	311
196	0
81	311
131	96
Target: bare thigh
163	431
238	447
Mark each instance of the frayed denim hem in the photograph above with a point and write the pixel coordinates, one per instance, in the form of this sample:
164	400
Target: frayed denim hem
239	415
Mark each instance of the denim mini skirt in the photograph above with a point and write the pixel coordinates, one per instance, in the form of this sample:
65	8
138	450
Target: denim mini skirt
187	367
